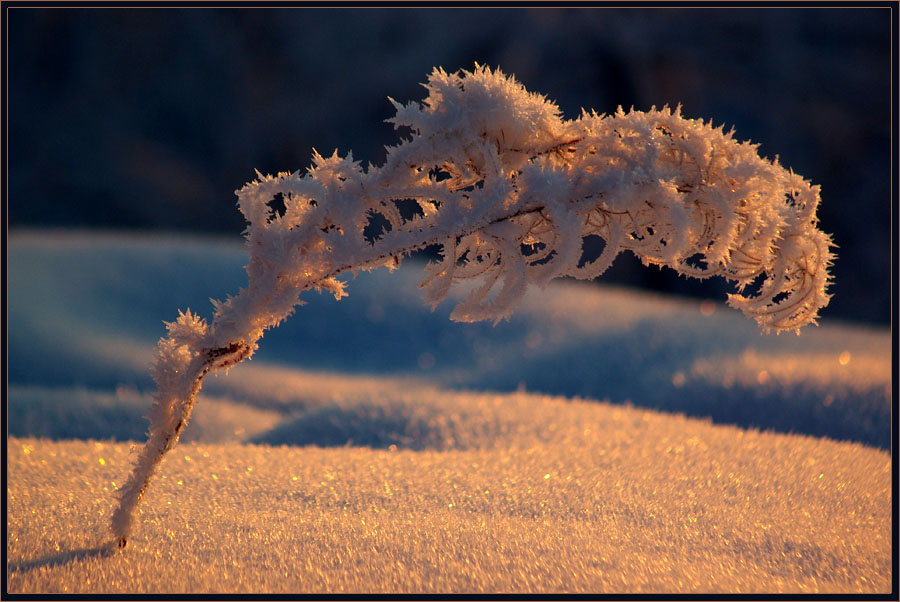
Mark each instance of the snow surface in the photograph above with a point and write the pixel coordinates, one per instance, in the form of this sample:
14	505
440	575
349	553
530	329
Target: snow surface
374	446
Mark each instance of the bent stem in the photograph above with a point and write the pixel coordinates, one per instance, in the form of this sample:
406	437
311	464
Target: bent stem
170	414
511	193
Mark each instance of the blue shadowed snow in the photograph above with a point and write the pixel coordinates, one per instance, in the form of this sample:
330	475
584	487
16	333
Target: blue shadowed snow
85	311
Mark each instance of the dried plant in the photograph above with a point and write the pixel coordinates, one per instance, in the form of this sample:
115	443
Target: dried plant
510	191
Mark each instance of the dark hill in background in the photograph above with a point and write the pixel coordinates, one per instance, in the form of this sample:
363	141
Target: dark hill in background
150	118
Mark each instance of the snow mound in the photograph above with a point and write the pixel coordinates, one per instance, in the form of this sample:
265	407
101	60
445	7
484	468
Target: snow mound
429	419
373	446
86	309
603	499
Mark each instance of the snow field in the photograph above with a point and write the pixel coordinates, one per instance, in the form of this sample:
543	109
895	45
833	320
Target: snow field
372	445
601	498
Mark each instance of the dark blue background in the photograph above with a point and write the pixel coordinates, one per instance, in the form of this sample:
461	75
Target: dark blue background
150	118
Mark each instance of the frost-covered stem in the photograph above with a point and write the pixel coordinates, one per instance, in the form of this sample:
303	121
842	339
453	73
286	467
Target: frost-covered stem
161	440
511	193
173	402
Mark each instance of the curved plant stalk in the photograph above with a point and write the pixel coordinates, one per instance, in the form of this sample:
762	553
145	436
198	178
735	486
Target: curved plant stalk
510	192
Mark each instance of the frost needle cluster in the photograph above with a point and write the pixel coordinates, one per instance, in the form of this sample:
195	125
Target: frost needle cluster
511	193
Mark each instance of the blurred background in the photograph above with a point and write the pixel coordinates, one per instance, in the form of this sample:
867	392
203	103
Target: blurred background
150	118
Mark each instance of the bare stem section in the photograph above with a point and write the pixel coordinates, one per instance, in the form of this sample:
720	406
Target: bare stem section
512	193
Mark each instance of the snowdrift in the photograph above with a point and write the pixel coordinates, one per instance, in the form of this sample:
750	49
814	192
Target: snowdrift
602	440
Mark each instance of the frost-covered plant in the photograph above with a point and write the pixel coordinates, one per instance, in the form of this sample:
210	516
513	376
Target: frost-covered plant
510	192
